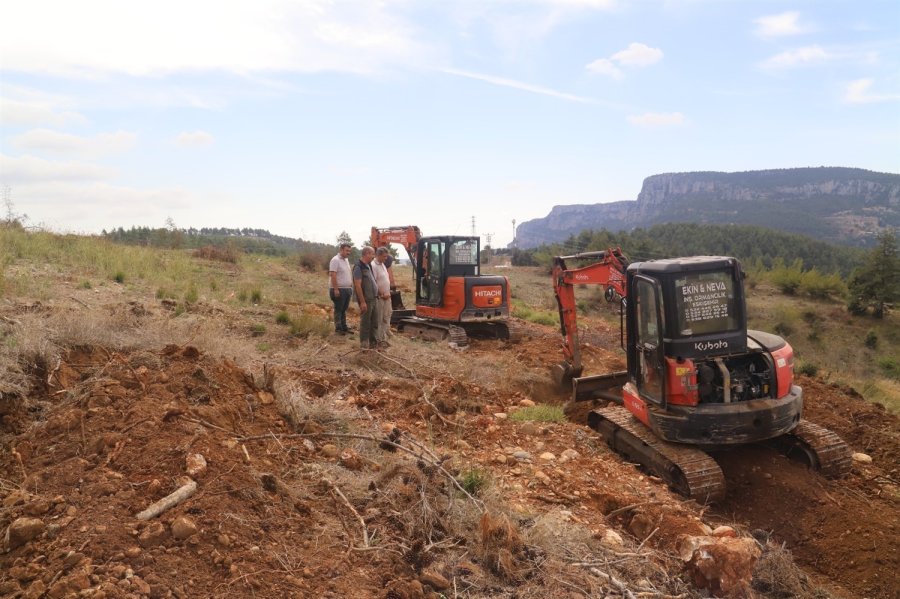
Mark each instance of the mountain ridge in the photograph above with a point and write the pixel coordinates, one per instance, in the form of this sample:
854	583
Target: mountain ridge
843	204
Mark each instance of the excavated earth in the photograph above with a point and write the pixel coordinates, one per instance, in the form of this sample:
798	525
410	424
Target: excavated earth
335	481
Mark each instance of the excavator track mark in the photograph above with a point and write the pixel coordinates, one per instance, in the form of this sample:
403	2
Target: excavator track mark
689	471
820	448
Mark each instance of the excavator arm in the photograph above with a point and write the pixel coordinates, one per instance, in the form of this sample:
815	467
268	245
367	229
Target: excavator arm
407	236
607	271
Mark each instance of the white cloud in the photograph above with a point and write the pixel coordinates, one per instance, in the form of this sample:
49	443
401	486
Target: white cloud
56	142
194	138
638	55
24	170
635	55
657	119
604	66
535	89
858	92
14	112
239	36
780	25
798	57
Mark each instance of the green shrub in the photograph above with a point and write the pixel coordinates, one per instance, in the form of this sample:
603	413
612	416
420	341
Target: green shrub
258	329
191	296
539	413
871	340
263	347
163	293
306	325
213	285
820	286
788	280
85	284
256	296
242	295
807	368
474	481
119	277
283	318
890	367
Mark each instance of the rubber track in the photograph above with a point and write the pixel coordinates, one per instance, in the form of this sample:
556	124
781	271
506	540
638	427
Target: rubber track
515	331
458	336
834	455
703	477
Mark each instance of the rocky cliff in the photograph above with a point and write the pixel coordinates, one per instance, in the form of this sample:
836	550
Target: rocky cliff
840	204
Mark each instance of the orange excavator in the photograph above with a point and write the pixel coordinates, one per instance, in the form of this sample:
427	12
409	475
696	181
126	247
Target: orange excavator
697	379
454	301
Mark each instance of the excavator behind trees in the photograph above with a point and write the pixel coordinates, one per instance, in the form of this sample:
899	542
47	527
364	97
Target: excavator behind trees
453	299
697	379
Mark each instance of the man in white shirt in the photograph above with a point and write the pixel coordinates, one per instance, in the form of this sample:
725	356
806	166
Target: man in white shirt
340	289
383	283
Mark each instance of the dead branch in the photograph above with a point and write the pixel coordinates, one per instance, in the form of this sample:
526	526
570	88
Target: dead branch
168	501
628	508
431	462
641	546
362	523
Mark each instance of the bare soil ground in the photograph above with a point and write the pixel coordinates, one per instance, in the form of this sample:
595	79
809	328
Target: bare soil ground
398	474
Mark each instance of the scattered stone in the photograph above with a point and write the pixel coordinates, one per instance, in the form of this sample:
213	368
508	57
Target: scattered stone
462	444
547	457
767	475
224	540
329	450
309	445
862	458
38	507
500	458
434	580
183	527
529	428
140	585
542	476
265	398
154	534
133	551
641	525
569	455
612	539
521	455
195	465
526	403
23	530
501	415
723	565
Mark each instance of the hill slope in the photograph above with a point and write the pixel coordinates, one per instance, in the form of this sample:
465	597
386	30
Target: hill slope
841	204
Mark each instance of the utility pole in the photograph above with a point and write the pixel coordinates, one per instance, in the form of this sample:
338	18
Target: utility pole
473	226
514	233
487	237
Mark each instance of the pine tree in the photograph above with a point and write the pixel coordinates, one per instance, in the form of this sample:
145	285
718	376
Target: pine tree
877	284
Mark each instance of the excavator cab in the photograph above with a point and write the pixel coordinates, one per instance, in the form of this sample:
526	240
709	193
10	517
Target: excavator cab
438	258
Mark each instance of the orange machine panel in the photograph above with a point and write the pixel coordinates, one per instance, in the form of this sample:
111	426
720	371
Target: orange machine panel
487	296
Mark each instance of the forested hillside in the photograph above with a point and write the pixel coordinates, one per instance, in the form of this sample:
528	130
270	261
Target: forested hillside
751	244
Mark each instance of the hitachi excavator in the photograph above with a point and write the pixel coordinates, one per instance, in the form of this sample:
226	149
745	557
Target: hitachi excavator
453	299
697	379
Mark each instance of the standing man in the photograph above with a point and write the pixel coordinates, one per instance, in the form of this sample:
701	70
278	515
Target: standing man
383	283
341	287
386	315
367	296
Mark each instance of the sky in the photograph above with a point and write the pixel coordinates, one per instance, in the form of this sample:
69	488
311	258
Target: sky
313	117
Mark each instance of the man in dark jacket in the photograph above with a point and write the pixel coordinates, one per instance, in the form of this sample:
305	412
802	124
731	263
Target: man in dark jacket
366	295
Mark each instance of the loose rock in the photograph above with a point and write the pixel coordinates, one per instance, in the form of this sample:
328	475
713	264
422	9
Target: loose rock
23	530
195	465
183	527
862	458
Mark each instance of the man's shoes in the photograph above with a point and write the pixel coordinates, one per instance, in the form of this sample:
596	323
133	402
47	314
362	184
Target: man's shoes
349	330
383	345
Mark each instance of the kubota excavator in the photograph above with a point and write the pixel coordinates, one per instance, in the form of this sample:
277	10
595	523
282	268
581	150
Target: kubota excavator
697	379
453	299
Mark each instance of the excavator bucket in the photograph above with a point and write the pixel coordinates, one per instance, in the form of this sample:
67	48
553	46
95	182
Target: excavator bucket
563	373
